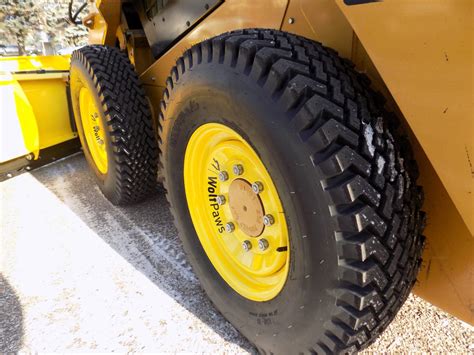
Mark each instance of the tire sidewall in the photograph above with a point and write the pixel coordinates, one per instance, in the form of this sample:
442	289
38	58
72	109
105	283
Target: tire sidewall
80	77
216	93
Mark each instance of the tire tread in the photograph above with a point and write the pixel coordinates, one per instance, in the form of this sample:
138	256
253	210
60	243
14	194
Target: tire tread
375	206
129	121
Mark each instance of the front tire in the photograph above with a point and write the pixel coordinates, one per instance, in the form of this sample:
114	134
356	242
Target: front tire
346	182
114	124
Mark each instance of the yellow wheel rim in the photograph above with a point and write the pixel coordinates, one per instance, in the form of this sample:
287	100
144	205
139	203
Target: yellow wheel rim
93	129
242	231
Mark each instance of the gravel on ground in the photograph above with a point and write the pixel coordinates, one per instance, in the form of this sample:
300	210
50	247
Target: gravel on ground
79	274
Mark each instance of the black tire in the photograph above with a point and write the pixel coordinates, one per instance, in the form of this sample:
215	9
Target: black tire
132	150
352	205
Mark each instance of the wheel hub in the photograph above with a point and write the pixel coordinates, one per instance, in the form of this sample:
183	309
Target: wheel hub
246	207
93	129
230	195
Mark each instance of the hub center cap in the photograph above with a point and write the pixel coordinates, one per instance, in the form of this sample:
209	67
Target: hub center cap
246	208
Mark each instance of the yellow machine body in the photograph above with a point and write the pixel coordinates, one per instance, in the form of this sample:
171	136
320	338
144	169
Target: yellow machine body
33	105
419	54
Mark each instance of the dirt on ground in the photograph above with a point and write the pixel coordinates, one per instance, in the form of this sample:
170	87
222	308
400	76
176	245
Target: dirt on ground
79	274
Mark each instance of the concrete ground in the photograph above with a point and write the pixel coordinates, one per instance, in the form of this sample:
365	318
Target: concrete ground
79	274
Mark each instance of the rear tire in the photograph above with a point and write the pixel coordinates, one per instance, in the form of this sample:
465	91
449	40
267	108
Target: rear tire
346	180
129	173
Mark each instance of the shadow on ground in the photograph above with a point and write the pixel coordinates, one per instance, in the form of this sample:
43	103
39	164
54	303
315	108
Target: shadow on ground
11	318
143	234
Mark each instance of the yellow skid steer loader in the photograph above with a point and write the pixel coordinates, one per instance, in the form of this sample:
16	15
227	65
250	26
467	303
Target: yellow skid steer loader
307	147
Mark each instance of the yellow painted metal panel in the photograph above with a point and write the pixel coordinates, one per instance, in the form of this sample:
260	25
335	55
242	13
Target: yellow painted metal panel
49	102
33	63
423	51
321	20
231	15
35	76
103	21
18	128
446	278
39	87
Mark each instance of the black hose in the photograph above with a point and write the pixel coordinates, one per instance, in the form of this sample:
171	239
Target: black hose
73	18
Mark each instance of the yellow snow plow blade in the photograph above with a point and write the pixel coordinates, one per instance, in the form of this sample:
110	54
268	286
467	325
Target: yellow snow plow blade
34	112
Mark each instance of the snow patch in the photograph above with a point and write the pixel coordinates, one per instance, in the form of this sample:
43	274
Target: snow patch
401	162
380	164
379	125
391	161
369	137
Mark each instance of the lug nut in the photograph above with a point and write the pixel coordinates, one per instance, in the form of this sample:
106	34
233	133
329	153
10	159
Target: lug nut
238	169
220	199
246	245
223	176
268	220
257	187
229	227
263	244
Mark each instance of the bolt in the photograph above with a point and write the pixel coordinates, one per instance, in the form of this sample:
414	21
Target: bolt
291	20
263	244
28	168
223	176
238	169
9	175
220	199
257	187
268	220
229	227
246	245
30	156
